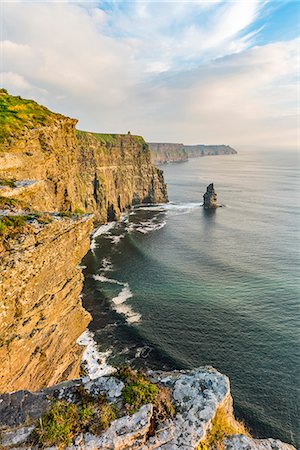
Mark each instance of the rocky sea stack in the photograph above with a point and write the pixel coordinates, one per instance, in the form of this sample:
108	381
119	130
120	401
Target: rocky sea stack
210	197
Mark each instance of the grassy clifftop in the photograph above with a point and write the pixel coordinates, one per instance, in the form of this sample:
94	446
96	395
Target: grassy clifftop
17	114
108	138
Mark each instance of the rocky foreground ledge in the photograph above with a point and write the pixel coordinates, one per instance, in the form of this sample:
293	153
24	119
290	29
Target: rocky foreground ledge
202	406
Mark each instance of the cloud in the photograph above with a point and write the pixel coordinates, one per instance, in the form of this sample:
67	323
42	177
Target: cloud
182	71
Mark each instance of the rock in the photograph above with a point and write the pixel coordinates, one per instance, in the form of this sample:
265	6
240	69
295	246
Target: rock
41	313
197	396
124	433
210	197
241	442
21	407
109	386
15	437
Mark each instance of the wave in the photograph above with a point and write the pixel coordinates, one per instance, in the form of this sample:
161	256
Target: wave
147	227
103	229
106	265
118	301
115	238
171	208
94	360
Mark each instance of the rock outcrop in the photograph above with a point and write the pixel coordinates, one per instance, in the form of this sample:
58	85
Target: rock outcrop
58	168
163	153
197	396
41	315
210	197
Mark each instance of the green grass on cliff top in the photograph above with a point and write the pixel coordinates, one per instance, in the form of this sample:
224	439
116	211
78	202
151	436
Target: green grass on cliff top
109	138
17	113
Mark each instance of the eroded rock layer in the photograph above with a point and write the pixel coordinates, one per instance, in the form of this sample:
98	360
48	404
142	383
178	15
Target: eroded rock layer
41	315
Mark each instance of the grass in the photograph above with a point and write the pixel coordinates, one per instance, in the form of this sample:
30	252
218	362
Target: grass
9	224
223	425
7	182
64	421
6	202
16	114
139	391
111	139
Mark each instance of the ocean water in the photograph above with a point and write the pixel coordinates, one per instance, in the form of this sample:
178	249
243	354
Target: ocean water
175	286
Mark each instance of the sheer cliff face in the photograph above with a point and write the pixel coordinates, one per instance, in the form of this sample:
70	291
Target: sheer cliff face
116	172
69	170
41	314
163	153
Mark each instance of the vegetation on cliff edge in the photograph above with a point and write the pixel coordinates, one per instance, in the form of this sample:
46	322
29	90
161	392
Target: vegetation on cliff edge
223	425
110	139
17	113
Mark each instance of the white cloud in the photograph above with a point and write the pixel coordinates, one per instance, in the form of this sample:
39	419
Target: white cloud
153	69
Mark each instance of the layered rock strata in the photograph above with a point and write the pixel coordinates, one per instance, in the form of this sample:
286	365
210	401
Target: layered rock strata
41	315
197	396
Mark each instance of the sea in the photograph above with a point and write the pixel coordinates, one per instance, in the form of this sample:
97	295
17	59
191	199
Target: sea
176	286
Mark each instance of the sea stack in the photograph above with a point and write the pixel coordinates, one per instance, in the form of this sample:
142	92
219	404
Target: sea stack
210	197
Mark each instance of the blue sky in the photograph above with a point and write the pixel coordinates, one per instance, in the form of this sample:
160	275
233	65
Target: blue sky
185	71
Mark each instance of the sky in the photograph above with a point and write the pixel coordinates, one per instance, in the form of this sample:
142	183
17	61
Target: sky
212	72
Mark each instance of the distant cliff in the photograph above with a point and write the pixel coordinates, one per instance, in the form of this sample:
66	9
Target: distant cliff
163	153
208	150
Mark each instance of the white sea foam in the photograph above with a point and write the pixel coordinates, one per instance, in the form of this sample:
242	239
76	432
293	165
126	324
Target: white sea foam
94	360
106	265
103	229
147	227
115	238
104	279
171	207
124	295
118	302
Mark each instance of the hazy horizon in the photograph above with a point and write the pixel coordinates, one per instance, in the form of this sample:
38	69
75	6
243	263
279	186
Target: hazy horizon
212	72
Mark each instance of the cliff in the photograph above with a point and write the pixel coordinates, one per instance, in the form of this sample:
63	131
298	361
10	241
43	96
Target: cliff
41	314
116	172
163	153
56	168
194	151
184	410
